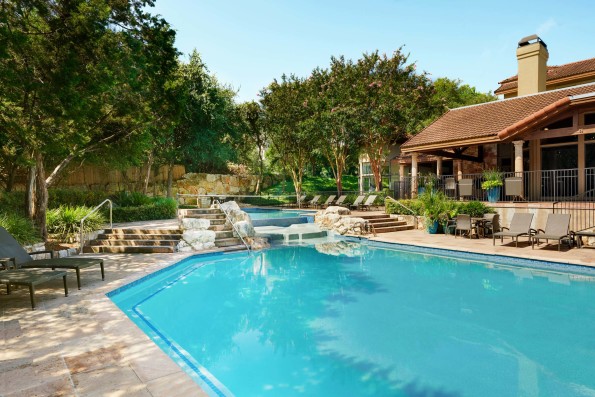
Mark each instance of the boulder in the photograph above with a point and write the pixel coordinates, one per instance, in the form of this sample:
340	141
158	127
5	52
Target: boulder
326	221
257	243
195	224
335	209
245	228
356	226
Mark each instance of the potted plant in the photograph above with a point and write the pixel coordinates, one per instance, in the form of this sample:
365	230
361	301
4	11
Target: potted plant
435	209
426	182
492	183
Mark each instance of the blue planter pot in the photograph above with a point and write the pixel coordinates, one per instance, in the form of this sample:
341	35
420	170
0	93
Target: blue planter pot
494	194
432	228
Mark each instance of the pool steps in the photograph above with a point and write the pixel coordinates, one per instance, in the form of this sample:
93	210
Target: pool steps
137	240
385	224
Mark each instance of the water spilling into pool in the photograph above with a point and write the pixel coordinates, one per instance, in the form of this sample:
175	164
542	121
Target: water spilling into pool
344	319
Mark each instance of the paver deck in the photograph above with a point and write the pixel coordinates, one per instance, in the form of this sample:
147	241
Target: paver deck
83	345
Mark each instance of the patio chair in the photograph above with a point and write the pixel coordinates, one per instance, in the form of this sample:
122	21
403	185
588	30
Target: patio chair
519	226
492	224
358	202
329	200
463	224
369	203
314	201
29	278
556	228
340	200
10	248
465	188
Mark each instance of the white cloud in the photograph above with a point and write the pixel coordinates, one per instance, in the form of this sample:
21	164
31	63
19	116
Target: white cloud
546	26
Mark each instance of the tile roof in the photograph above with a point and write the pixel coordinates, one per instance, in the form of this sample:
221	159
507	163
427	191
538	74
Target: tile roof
484	121
554	73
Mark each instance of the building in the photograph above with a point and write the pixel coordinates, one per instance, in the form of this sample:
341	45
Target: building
541	136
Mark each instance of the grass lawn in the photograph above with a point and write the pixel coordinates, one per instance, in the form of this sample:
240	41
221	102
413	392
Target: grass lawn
314	184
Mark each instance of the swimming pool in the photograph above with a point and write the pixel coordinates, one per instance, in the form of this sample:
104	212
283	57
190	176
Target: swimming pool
273	213
345	319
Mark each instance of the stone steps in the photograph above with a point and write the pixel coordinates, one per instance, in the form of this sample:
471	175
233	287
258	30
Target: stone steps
224	234
226	242
135	240
382	223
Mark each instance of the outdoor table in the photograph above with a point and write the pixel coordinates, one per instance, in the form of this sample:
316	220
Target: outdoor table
479	224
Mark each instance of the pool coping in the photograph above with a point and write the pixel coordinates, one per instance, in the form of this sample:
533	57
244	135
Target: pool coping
99	326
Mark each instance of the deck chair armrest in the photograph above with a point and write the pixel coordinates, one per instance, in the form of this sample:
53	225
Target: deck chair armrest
505	228
5	261
533	232
43	252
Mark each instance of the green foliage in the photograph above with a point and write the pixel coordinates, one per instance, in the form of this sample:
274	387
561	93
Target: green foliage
131	199
491	178
65	222
21	228
13	202
313	184
392	207
476	209
436	205
159	208
75	197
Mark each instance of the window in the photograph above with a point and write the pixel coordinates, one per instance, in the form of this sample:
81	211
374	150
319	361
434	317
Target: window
564	123
589	118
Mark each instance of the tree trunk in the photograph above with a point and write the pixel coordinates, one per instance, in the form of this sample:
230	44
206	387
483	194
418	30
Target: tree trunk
41	202
170	178
148	175
30	197
10	178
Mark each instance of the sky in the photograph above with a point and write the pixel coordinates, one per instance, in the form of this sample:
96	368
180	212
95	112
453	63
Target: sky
248	43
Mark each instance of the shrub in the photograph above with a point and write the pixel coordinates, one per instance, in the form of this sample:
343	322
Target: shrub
158	208
13	202
474	208
75	197
21	228
392	207
65	222
131	199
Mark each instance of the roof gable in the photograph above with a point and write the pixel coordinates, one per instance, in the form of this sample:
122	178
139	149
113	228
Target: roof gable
555	74
484	121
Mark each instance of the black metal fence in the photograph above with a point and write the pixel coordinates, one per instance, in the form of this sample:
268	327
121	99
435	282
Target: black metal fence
567	185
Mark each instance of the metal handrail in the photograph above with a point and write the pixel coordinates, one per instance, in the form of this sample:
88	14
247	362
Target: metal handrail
234	226
94	210
410	210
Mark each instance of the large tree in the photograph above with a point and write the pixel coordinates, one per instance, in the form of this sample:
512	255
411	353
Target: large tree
331	96
253	141
77	76
391	101
289	125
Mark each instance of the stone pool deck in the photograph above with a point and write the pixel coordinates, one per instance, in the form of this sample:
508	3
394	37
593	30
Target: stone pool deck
83	345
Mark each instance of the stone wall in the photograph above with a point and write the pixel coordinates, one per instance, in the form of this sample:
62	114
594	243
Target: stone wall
490	160
200	183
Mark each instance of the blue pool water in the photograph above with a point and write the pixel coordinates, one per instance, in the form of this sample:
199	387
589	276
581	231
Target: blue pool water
271	213
344	319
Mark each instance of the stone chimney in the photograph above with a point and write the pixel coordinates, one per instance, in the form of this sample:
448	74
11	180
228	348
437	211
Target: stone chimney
532	57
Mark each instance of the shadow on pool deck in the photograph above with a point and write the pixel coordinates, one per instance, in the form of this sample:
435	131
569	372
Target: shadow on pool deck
84	345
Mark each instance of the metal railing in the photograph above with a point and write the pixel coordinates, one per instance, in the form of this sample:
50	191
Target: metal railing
564	185
582	214
415	216
235	228
94	210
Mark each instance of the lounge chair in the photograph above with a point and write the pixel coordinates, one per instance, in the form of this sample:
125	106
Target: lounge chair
358	202
314	201
340	200
519	226
10	248
556	228
463	224
329	200
29	278
491	224
369	202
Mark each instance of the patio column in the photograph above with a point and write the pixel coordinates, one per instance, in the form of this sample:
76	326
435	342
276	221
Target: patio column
439	166
401	171
414	175
518	158
459	164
